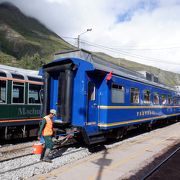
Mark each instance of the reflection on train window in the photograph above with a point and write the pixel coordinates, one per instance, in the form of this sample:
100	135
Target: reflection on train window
147	97
175	101
156	98
135	95
18	92
117	94
2	91
34	94
178	101
170	101
91	91
163	99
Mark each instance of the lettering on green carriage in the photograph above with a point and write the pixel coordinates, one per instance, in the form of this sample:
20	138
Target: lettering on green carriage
24	111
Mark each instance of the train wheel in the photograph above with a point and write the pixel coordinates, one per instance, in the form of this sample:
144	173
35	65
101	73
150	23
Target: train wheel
121	133
149	127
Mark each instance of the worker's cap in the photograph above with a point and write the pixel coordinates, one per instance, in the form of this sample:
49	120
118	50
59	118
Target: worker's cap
53	111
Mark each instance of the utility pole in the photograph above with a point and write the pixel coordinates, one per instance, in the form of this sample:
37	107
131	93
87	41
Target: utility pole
78	39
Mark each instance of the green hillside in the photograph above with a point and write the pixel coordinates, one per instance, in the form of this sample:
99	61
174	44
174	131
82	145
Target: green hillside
165	77
26	43
25	40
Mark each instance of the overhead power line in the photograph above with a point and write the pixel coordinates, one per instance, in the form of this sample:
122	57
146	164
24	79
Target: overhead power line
124	52
170	47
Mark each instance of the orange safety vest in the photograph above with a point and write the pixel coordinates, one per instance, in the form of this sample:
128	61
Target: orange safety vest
48	129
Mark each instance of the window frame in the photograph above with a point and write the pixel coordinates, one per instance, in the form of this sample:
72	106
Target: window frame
12	92
149	101
38	95
175	102
169	97
154	98
123	90
5	92
138	95
162	99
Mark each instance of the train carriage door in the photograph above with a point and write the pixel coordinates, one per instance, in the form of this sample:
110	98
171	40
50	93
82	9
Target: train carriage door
92	117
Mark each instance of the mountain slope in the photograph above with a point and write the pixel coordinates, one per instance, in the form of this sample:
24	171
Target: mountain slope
23	37
26	43
165	77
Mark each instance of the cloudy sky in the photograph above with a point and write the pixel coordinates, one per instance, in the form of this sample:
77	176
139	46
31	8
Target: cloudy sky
145	31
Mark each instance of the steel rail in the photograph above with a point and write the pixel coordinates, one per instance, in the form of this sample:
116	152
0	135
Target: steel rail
160	164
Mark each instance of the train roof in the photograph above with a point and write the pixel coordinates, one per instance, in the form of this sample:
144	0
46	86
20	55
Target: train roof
103	65
26	74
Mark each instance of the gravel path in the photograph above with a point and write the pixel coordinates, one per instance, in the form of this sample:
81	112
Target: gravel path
25	167
30	165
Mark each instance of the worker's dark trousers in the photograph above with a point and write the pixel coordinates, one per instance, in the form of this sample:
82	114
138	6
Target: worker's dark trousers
48	145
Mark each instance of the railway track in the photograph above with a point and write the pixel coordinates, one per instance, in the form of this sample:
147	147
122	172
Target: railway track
22	166
57	153
16	157
163	162
14	153
14	150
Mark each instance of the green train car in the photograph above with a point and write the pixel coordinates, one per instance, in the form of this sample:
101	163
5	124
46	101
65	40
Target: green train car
20	101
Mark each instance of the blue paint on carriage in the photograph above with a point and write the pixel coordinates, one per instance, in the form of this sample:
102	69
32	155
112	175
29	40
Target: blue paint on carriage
115	115
105	117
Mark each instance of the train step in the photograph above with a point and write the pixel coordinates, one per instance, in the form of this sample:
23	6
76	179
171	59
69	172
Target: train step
96	139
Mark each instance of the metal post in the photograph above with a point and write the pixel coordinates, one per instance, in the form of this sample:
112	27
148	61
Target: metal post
78	39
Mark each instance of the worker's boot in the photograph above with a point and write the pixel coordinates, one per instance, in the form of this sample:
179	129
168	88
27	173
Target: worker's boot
42	154
46	156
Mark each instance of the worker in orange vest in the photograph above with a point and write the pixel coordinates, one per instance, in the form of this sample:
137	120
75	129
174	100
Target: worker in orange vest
46	130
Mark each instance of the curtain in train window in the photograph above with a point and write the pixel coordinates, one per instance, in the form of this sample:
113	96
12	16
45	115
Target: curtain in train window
2	91
147	97
163	99
117	93
175	100
170	100
156	98
18	92
135	95
34	94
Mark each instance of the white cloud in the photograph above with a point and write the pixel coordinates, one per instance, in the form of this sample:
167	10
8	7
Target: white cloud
122	25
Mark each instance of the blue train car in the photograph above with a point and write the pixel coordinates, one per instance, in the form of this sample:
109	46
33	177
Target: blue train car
97	99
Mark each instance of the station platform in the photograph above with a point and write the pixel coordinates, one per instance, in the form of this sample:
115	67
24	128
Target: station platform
123	160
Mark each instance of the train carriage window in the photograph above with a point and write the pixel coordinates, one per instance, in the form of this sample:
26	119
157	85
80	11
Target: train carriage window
2	74
17	76
135	95
18	92
178	101
34	94
175	101
156	98
147	97
163	99
3	87
91	91
117	93
170	101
